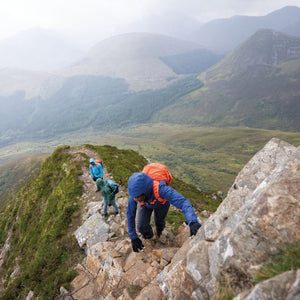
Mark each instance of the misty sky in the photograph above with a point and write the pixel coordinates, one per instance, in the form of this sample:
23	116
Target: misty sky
94	20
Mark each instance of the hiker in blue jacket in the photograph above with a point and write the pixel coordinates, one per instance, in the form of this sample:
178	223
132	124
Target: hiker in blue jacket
96	171
140	187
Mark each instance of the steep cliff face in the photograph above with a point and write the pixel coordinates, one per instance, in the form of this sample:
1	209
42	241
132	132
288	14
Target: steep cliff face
260	214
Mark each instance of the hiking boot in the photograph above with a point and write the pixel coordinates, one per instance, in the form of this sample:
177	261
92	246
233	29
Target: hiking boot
158	234
116	213
148	235
97	190
105	216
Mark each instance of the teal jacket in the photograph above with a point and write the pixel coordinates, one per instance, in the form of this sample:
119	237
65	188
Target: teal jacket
107	187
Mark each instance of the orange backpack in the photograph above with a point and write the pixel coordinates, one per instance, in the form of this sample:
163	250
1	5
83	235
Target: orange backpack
99	161
158	172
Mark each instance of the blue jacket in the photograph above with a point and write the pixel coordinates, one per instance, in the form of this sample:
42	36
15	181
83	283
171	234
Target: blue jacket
140	183
96	170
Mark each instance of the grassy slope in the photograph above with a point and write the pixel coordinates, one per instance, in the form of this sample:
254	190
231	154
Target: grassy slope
16	174
39	217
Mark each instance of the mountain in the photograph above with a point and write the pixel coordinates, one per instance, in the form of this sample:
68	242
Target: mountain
104	83
141	59
55	244
223	35
145	61
257	85
40	251
37	49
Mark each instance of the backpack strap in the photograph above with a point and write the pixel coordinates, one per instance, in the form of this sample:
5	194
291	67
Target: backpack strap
97	167
156	194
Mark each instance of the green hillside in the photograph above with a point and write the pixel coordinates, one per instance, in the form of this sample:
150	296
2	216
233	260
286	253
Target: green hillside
14	175
41	218
257	85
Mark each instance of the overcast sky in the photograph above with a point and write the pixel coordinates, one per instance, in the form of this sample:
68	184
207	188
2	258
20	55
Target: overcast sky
97	19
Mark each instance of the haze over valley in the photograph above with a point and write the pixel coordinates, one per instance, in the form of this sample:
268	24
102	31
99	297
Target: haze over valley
53	89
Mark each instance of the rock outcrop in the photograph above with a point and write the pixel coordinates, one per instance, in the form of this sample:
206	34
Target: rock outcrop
260	214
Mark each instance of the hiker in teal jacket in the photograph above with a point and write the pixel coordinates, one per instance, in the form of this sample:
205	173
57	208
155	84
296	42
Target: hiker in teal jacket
108	189
140	188
96	171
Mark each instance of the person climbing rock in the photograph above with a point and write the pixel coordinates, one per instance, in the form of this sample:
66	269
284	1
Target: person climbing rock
144	199
109	189
96	171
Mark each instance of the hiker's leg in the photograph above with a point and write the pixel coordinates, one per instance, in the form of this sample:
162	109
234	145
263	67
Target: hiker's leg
104	208
160	213
114	204
143	222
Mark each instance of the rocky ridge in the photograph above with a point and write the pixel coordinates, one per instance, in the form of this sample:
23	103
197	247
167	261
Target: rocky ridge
260	214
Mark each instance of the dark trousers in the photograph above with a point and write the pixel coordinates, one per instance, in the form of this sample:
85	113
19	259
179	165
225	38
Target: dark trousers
144	218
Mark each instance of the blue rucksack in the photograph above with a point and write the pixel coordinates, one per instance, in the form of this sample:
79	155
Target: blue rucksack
113	186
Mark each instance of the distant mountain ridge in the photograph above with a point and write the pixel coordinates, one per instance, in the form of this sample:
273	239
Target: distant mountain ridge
136	57
223	35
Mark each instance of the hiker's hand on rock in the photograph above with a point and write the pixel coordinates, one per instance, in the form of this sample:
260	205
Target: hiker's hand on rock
137	245
194	226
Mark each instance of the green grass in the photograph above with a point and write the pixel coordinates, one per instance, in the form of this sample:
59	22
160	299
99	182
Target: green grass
16	174
39	217
119	163
287	259
175	218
